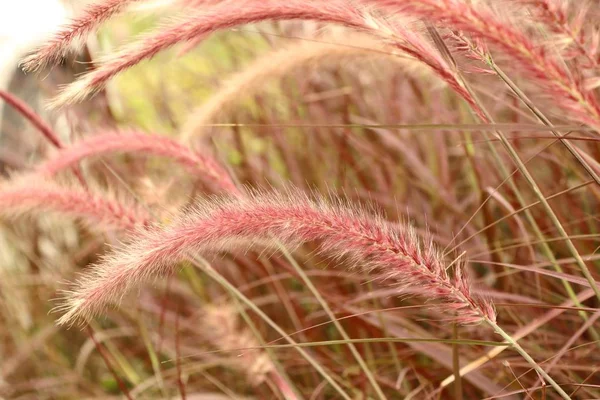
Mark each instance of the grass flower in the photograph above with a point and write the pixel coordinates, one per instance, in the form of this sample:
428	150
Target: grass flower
196	164
73	35
396	256
31	195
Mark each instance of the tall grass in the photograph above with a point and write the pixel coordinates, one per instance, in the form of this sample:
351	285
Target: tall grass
442	153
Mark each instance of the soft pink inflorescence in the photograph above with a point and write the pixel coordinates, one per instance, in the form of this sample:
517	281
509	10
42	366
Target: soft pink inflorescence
394	255
555	14
79	28
37	196
535	59
208	16
197	164
75	32
198	25
204	22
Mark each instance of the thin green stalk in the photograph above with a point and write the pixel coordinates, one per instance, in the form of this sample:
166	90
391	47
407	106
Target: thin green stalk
490	127
336	323
279	368
220	385
204	266
465	342
127	369
207	268
458	392
513	343
538	113
377	304
290	311
154	361
556	222
534	186
574	252
536	189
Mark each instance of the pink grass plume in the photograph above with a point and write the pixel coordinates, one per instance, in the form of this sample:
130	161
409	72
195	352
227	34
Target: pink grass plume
199	165
202	23
30	195
74	33
570	92
536	60
391	254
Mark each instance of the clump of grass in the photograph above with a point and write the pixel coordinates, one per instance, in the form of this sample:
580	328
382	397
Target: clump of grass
526	71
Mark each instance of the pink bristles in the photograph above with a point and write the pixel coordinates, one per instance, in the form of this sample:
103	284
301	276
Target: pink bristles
394	255
570	92
201	24
535	59
27	196
130	142
74	33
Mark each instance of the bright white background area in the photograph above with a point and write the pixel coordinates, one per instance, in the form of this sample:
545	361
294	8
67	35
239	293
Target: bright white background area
23	24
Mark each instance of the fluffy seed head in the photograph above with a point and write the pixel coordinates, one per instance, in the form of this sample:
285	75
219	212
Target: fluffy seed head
199	165
392	254
535	59
74	33
200	24
27	195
